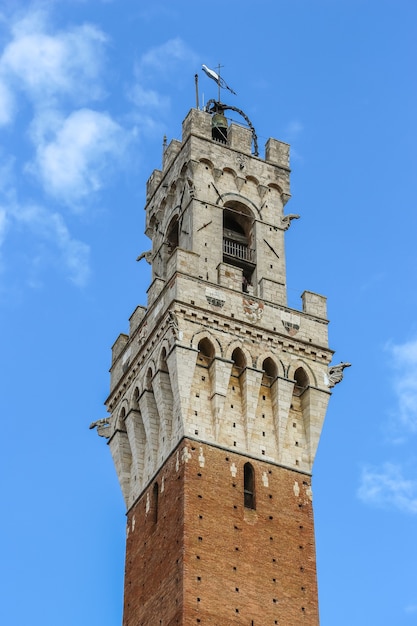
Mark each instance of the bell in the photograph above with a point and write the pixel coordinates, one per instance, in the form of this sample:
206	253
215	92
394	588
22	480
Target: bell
219	127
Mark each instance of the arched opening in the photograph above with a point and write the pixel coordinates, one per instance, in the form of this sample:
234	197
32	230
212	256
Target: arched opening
249	486
270	372
135	400
163	360
239	361
172	238
149	380
238	249
301	381
205	352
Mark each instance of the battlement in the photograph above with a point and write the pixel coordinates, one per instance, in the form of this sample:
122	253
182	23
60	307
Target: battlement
239	138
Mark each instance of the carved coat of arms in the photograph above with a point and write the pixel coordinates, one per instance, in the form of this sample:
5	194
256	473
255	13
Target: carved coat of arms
253	309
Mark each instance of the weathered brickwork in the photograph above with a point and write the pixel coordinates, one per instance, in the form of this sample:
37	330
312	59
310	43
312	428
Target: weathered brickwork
207	558
154	586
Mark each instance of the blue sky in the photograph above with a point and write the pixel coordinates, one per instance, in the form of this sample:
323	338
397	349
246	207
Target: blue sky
87	91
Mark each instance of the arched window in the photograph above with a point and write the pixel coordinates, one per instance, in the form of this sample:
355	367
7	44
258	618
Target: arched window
238	240
249	486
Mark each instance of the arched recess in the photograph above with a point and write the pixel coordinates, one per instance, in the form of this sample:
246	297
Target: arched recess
306	369
207	163
138	443
206	352
238	344
265	428
172	234
232	431
239	239
148	379
121	453
301	381
162	390
121	418
205	334
270	371
297	432
151	422
163	359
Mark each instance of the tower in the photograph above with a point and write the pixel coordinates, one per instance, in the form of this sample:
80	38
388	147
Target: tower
218	394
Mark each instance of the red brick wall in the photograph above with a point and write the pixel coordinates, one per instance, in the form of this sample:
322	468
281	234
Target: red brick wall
154	553
210	560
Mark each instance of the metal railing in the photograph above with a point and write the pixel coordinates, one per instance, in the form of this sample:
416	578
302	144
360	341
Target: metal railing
238	250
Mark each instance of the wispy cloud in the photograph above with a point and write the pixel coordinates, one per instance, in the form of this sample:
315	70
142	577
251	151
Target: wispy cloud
160	66
74	163
404	361
61	149
49	65
65	251
165	58
387	487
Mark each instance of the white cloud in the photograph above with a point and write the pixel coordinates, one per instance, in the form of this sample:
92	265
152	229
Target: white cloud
48	65
386	487
3	224
404	361
148	98
167	63
165	58
7	104
75	161
73	254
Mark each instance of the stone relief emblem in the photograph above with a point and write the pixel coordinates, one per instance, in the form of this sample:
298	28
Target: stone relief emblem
214	297
253	309
290	322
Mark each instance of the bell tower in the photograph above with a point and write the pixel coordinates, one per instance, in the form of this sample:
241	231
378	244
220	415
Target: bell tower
218	394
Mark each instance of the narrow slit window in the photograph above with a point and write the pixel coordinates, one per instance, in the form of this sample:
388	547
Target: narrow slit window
249	486
155	496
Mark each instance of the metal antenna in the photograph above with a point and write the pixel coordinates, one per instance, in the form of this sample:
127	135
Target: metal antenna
196	90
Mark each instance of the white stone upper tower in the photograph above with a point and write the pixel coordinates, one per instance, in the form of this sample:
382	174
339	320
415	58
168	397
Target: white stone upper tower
217	356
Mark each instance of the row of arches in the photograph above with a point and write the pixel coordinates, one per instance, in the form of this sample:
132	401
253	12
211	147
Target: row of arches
233	398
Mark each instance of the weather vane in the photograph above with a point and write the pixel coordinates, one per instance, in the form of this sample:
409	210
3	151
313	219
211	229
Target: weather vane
217	78
218	107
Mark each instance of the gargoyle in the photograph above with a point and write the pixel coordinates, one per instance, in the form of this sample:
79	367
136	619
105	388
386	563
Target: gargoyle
103	427
146	255
335	374
286	220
